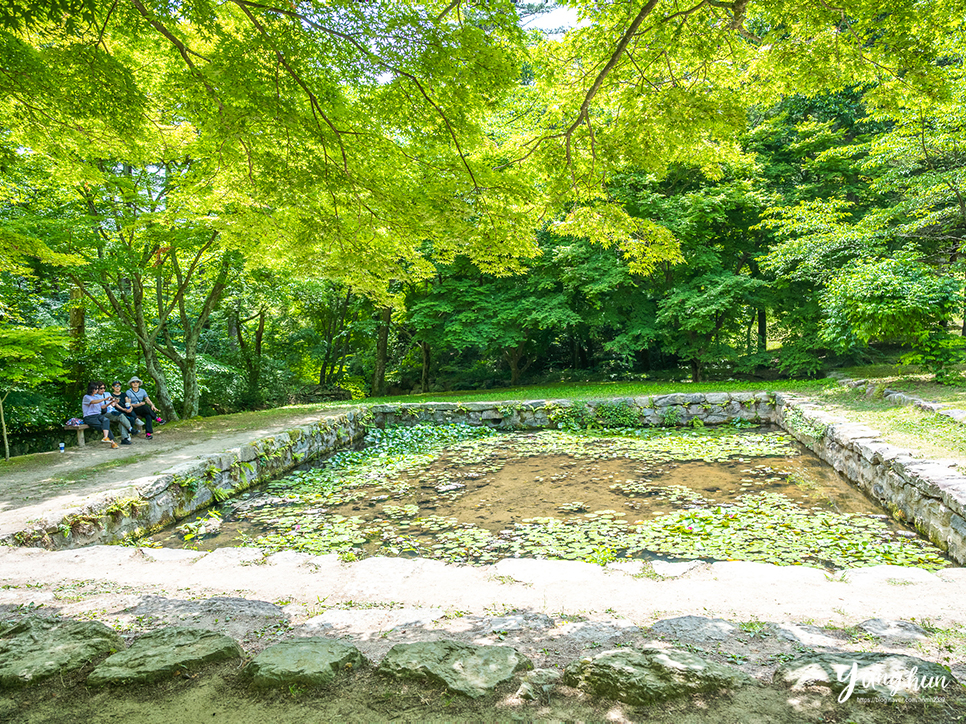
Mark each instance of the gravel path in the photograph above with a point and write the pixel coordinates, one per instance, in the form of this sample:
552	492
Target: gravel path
37	484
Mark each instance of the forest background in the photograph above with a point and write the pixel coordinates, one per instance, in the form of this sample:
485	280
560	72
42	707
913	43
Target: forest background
251	204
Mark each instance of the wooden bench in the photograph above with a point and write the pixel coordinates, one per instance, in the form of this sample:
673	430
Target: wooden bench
80	432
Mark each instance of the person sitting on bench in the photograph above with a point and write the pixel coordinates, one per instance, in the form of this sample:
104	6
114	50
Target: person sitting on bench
93	409
143	407
118	410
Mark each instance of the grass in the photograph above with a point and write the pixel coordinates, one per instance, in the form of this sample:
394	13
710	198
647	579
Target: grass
930	435
911	380
594	390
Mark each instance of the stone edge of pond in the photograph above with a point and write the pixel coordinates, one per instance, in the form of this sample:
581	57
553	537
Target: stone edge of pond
928	494
149	503
931	495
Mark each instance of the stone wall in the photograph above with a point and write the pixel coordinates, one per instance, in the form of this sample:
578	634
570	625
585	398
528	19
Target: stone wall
928	494
711	408
150	503
931	495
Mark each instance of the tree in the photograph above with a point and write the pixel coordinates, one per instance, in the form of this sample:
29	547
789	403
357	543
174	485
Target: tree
28	358
894	298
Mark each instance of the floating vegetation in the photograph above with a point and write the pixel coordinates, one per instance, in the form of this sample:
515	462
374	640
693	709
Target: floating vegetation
469	494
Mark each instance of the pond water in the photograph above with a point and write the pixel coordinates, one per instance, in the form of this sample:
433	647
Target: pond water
470	494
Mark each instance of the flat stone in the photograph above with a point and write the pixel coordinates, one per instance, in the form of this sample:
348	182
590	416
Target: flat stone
221	557
596	631
894	632
812	636
519	622
885	574
164	653
695	628
668	569
462	668
308	661
538	684
288	558
171	554
955	414
374	619
550	572
236	617
652	675
886	676
35	649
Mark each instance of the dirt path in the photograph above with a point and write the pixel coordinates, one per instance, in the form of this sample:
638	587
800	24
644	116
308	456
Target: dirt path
35	484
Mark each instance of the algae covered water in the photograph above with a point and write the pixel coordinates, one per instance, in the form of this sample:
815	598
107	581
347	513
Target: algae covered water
470	494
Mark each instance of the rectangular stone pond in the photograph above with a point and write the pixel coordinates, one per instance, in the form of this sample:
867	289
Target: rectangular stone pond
472	494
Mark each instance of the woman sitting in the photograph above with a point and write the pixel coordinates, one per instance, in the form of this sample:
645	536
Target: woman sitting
94	408
119	411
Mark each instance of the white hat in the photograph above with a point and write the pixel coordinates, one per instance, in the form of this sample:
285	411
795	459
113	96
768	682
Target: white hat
134	379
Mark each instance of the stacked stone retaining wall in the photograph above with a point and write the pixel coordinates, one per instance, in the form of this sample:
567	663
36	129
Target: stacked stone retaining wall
928	494
712	408
931	495
150	503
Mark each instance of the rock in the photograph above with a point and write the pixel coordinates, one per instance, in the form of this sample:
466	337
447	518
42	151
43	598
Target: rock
888	676
806	635
34	649
668	569
461	668
165	652
518	622
894	632
368	620
596	631
888	574
538	684
171	554
651	675
309	661
236	617
695	628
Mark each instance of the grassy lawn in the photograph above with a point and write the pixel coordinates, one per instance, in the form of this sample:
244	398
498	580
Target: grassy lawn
930	435
912	381
594	390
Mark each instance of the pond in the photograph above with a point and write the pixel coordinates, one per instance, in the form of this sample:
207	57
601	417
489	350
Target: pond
471	494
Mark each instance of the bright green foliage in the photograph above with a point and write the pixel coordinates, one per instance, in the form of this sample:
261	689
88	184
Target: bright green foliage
28	358
704	303
893	299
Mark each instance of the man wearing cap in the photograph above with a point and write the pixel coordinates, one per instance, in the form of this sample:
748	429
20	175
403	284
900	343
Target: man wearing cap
143	407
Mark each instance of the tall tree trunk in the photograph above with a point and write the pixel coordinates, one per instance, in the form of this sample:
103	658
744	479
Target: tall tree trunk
3	425
382	351
160	394
697	368
762	331
513	357
424	382
189	379
78	339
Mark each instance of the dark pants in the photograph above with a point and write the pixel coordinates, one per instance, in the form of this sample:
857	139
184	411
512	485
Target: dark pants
99	422
145	413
